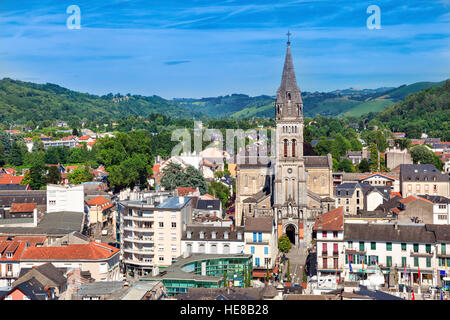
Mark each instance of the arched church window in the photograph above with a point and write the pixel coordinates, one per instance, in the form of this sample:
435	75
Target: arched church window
288	95
294	142
285	147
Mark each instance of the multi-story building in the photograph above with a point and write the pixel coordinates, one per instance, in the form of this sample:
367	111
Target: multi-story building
441	208
101	260
381	179
212	240
151	231
360	196
65	198
329	230
392	248
261	242
425	179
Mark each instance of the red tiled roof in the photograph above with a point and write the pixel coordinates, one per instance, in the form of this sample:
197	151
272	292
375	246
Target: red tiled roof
22	207
182	191
15	247
408	199
331	220
10	179
84	138
90	251
156	168
377	173
393	194
100	202
32	240
396	210
91	143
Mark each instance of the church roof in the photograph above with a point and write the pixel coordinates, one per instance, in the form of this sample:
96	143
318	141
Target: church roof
288	79
317	161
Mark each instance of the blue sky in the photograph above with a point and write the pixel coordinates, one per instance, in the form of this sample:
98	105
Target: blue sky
202	48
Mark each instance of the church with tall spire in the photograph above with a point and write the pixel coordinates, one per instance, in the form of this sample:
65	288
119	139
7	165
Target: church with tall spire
295	188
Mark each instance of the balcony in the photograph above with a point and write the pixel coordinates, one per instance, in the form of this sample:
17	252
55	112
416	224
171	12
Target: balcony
421	254
139	240
139	218
128	228
325	254
139	251
355	251
138	262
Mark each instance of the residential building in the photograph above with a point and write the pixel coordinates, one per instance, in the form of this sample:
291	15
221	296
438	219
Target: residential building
100	212
381	179
329	230
371	247
151	231
209	239
101	260
415	210
425	179
360	196
260	237
441	208
28	290
65	198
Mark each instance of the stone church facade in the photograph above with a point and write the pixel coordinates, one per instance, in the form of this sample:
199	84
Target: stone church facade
292	188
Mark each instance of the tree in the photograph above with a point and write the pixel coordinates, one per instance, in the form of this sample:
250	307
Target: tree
284	244
2	155
175	176
80	175
35	176
288	272
16	154
355	145
363	166
340	146
421	154
53	175
219	191
346	166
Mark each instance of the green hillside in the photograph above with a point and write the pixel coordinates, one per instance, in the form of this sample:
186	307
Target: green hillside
425	111
22	101
368	106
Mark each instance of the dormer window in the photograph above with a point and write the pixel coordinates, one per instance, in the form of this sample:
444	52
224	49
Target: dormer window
213	235
225	235
9	254
202	235
239	236
189	234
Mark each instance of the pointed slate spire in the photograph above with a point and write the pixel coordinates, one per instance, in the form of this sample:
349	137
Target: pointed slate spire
289	102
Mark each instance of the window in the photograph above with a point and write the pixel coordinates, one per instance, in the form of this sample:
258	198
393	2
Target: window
174	248
9	267
252	250
416	247
325	264
257	262
239	236
161	224
225	235
335	234
226	248
388	246
428	262
403	246
403	261
350	244
428	248
213	235
324	249
202	235
254	236
416	261
373	245
335	249
174	236
324	234
389	261
266	250
214	248
361	246
201	248
443	247
174	224
189	234
161	258
259	236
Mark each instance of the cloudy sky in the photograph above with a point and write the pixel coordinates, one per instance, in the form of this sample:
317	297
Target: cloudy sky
200	48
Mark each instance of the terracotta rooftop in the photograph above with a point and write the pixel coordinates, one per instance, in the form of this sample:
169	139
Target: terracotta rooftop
90	251
10	179
332	220
22	207
182	191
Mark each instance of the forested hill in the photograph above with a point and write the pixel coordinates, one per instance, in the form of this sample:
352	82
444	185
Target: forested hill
425	111
22	101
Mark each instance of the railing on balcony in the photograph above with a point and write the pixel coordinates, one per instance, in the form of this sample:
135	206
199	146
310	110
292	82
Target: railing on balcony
421	254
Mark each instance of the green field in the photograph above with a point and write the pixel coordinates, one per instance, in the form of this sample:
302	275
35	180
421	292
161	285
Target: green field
368	106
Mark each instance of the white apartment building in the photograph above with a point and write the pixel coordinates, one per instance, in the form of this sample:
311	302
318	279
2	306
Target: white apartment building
151	231
261	242
65	198
329	230
209	239
390	248
441	208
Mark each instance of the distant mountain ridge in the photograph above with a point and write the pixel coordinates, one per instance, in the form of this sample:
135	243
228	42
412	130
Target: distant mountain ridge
23	101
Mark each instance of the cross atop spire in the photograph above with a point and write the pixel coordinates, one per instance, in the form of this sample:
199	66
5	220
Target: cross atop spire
289	35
